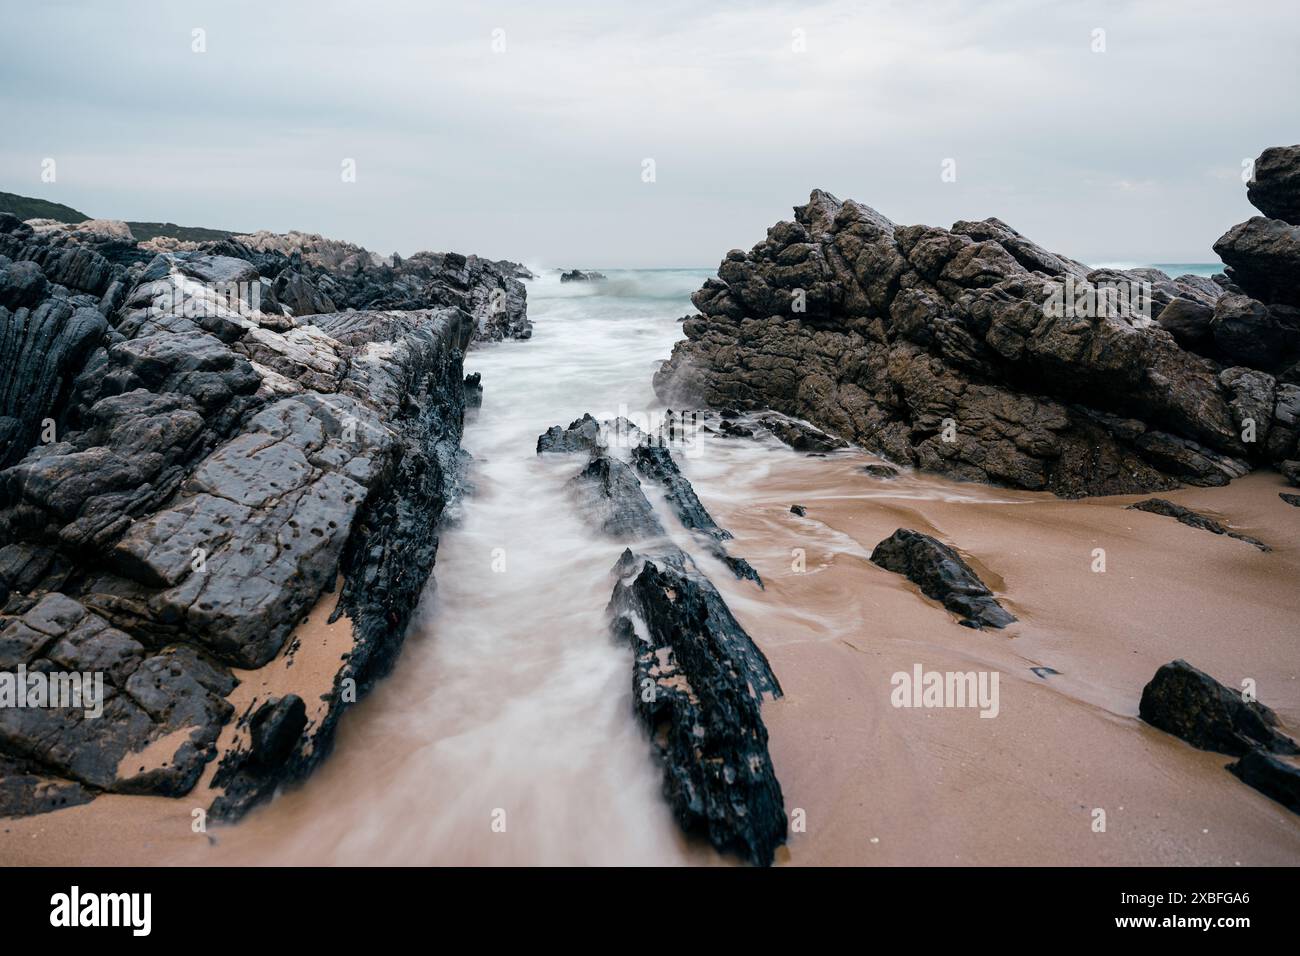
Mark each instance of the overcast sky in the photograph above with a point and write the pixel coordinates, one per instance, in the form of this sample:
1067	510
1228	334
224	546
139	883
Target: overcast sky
536	151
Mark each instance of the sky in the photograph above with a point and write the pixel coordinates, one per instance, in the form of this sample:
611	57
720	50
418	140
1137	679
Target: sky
523	130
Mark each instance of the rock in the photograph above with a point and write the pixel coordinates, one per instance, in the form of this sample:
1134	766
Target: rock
974	353
1190	323
941	575
1274	187
610	496
1272	777
473	390
1263	258
1159	506
581	435
209	475
655	462
575	275
276	727
1258	335
149	703
1289	499
1192	705
299	295
886	472
698	684
799	510
801	437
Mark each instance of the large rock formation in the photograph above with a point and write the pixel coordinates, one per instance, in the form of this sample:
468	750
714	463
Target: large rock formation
182	478
976	353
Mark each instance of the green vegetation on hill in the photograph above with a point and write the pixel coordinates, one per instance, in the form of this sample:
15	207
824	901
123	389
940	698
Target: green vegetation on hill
148	230
26	208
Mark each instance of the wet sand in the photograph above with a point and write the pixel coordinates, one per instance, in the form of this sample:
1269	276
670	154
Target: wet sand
876	784
885	785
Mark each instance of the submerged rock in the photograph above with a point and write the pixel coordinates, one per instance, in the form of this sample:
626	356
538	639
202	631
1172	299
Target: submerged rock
610	495
1192	705
576	275
942	575
1159	506
698	684
655	463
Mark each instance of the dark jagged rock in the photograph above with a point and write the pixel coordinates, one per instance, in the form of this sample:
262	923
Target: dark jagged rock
1276	779
1259	335
698	684
975	353
473	390
1159	506
213	471
942	575
699	680
1263	258
656	463
610	495
576	275
1190	322
581	435
1274	188
1289	499
799	510
276	727
1192	705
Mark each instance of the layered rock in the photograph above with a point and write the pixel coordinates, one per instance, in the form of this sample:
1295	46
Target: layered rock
184	477
973	352
698	678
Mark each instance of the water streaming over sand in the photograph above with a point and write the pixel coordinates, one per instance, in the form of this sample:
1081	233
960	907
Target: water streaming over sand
509	695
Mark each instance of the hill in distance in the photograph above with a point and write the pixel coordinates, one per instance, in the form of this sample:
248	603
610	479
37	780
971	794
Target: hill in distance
25	207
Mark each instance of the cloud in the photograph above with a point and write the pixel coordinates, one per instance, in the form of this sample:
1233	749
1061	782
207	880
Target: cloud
535	152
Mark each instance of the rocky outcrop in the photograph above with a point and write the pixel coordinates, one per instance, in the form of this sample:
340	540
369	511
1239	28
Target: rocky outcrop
698	678
577	275
973	352
698	682
943	576
1192	705
1274	187
1159	506
185	479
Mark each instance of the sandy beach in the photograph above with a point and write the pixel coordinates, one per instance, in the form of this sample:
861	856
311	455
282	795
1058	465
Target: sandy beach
876	784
